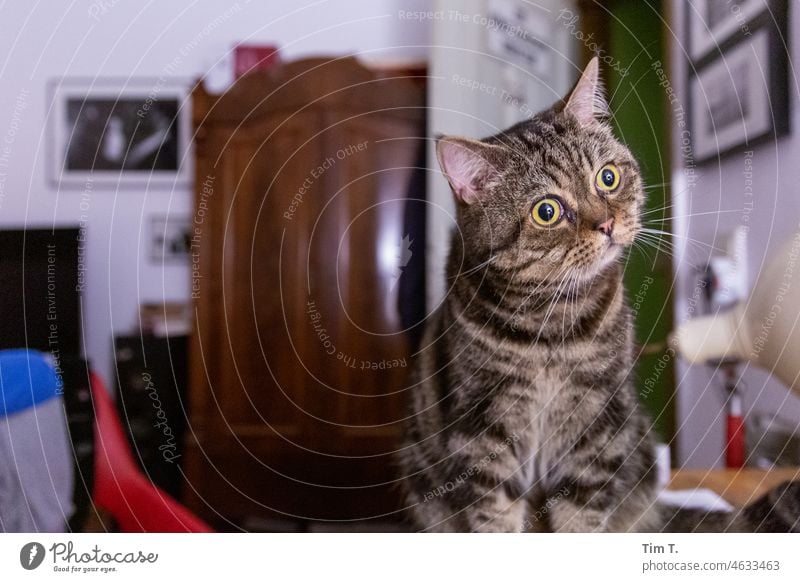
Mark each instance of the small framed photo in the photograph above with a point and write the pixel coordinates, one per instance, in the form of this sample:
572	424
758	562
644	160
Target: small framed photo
119	133
741	98
170	239
712	22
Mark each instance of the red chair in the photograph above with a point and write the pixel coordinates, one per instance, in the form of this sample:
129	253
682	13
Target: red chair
121	488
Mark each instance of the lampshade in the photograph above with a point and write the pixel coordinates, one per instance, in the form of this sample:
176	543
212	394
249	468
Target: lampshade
764	330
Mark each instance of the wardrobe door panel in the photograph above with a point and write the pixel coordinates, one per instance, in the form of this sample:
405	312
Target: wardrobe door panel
269	231
299	359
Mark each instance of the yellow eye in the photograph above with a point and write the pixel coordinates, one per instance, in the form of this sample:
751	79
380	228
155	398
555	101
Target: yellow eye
546	212
607	178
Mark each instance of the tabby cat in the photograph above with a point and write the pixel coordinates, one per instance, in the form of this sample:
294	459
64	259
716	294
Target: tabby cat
524	415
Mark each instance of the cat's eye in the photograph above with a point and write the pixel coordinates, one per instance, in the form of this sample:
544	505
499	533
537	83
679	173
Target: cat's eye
546	212
607	178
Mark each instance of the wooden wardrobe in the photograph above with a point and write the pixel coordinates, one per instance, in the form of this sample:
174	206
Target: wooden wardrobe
299	358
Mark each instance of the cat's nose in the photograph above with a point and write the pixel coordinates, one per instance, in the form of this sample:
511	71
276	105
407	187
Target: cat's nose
606	227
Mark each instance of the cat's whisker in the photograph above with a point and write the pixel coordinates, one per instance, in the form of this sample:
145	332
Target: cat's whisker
556	296
657	209
668	248
661	208
572	305
645	250
559	274
658	232
660	245
638	246
653	211
654	237
573	309
475	268
713	212
524	303
568	305
664	185
548	313
654	186
551	307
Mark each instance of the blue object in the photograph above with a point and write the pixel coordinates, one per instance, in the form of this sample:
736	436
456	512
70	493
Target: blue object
26	379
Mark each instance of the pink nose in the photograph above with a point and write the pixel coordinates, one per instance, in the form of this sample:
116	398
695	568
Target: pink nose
606	227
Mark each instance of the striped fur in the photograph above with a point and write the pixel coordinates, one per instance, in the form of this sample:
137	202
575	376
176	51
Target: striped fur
524	416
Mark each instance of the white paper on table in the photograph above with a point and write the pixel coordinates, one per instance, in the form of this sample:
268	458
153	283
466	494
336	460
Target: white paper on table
694	499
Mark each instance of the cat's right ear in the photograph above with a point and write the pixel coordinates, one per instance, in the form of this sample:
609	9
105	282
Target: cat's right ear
467	165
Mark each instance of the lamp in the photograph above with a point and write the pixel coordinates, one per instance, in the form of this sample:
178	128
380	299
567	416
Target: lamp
764	330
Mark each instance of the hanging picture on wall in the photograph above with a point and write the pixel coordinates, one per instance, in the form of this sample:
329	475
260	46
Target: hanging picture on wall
712	22
126	133
520	37
738	96
170	239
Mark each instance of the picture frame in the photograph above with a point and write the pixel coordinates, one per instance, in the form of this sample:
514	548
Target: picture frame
738	95
169	239
119	133
711	22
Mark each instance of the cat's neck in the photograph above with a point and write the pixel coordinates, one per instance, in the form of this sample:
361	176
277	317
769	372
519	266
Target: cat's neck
506	289
539	307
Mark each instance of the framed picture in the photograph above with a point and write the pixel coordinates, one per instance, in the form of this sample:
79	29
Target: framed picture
169	238
121	133
741	97
712	22
522	37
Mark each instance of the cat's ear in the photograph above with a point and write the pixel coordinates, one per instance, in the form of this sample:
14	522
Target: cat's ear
587	102
467	164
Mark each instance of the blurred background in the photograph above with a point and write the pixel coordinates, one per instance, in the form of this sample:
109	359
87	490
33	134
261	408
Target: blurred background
231	214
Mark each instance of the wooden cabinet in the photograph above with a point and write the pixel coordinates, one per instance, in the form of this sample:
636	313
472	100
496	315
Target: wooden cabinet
299	357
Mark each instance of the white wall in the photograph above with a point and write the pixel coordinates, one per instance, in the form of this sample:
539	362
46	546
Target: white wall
472	93
114	38
721	192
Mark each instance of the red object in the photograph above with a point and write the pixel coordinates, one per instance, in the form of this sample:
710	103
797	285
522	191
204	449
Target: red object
253	57
121	488
734	448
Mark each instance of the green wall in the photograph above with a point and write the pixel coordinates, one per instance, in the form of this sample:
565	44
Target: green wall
636	39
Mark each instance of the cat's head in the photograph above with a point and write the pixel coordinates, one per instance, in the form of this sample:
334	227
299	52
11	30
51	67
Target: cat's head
553	195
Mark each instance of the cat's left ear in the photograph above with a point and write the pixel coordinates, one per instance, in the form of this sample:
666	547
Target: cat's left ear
587	102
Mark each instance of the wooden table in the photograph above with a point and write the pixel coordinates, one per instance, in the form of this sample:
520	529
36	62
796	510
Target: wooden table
737	486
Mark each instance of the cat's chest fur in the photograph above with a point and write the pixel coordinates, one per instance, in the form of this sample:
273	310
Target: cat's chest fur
554	412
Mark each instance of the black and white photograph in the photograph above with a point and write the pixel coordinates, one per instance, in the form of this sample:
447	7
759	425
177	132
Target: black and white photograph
169	239
738	92
712	22
129	132
739	100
